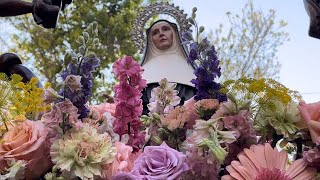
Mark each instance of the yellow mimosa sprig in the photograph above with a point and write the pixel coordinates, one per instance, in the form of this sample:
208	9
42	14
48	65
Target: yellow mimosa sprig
30	99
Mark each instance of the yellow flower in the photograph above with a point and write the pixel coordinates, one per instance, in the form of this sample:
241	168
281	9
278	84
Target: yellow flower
20	85
47	85
29	99
20	118
33	81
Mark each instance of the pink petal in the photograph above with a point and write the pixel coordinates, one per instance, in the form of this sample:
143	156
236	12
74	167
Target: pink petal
307	174
260	155
268	152
314	128
246	162
234	173
296	168
276	158
304	111
252	157
283	160
243	171
227	177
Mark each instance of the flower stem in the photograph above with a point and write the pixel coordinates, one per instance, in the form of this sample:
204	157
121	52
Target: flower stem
63	123
4	121
5	125
129	128
177	139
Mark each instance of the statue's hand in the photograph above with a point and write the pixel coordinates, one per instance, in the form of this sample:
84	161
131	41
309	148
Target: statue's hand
45	14
7	60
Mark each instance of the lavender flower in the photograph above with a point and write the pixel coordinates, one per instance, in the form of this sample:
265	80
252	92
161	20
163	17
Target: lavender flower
193	55
204	57
87	63
73	82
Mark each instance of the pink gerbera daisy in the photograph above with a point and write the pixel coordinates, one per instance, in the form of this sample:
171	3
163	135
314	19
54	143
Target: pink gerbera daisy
262	162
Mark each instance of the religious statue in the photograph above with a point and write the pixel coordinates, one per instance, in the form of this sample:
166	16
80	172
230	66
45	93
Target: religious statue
313	9
164	54
45	12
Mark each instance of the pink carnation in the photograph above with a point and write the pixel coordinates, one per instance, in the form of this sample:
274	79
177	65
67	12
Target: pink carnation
175	119
207	104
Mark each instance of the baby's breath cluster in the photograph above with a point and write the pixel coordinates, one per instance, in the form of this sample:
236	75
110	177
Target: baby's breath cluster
29	99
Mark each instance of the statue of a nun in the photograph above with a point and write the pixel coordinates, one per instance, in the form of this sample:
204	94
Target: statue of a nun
166	57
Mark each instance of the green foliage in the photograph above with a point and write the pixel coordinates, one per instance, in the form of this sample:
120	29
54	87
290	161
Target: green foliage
248	48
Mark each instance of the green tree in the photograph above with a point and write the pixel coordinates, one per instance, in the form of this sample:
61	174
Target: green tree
248	48
45	48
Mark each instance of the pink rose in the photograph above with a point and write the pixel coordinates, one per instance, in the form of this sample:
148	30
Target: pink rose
105	107
311	114
123	161
73	82
27	142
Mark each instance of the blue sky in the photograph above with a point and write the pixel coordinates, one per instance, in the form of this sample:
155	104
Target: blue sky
299	58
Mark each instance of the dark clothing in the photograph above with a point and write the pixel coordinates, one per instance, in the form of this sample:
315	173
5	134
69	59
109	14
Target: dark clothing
185	92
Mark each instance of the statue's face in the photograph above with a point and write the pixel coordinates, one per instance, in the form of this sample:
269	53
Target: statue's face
162	35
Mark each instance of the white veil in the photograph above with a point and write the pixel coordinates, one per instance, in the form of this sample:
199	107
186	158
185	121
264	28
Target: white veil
170	63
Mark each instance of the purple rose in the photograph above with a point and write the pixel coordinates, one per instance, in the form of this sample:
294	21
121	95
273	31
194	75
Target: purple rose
160	162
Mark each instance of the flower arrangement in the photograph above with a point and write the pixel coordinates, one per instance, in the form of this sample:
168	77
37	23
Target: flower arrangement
232	130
